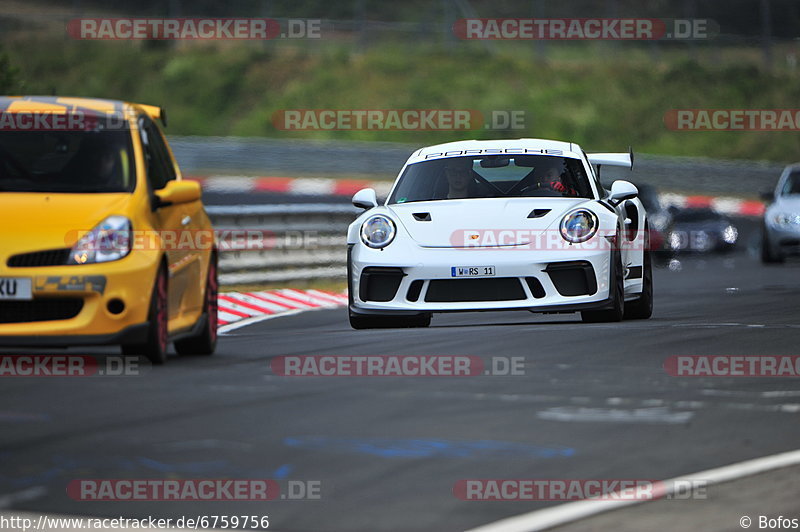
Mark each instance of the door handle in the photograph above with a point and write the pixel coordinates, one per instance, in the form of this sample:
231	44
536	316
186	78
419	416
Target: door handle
186	220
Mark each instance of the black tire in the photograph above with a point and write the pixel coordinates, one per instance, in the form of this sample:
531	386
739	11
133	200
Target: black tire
617	312
767	256
157	342
205	342
642	308
358	321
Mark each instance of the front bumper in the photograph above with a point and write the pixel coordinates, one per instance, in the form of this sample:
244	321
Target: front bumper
783	241
90	304
553	281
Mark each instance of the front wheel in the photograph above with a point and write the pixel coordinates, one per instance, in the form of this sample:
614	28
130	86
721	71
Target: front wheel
768	256
358	321
617	311
155	346
205	342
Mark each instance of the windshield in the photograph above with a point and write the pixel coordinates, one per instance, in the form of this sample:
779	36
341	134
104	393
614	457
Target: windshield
66	161
492	176
792	184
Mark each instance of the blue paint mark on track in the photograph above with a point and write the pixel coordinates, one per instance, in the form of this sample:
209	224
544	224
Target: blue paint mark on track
422	448
283	471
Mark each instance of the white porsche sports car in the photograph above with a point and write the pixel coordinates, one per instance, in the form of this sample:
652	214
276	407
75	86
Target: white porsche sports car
500	225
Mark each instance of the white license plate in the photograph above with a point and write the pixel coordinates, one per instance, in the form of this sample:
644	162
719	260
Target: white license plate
472	271
15	288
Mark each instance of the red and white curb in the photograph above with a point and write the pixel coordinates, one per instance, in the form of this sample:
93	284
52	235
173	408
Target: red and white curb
347	187
237	309
723	204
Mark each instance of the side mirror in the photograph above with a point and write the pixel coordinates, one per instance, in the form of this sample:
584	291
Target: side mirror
365	198
767	195
621	191
178	192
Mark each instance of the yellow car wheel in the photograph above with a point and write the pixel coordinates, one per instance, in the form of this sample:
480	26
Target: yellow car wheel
205	342
155	347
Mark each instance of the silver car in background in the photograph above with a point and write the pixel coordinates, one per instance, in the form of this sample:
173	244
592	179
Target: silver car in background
781	227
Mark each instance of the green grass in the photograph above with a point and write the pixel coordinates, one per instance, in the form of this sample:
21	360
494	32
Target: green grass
581	92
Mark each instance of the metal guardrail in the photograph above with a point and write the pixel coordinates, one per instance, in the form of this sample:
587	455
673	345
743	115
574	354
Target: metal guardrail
287	157
276	243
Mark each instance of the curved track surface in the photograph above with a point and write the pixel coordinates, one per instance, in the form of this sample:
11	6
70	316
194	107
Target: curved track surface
594	402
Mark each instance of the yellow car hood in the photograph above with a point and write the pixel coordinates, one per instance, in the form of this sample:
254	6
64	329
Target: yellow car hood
38	221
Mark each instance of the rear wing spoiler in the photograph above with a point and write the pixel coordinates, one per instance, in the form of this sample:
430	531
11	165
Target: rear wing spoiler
612	159
155	112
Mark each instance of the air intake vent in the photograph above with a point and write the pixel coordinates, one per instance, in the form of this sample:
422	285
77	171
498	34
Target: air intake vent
379	284
538	213
573	278
458	290
422	216
50	257
44	309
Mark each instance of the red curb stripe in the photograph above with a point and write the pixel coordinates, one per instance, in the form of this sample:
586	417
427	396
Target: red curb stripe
246	305
273	184
695	202
267	300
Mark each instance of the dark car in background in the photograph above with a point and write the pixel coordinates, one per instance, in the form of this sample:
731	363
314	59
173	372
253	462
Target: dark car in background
701	230
660	218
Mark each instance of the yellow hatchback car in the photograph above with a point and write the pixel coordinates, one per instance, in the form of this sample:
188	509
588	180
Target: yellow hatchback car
101	241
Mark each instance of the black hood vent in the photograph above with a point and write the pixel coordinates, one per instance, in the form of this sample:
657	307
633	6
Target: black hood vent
538	213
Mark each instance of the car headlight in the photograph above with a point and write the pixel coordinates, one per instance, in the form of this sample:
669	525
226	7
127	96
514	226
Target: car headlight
378	231
730	234
109	240
786	219
579	226
676	241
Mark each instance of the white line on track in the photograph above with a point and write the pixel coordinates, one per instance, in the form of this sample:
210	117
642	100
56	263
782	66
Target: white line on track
574	511
256	319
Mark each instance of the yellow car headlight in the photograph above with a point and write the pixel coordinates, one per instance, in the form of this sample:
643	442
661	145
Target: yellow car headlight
109	240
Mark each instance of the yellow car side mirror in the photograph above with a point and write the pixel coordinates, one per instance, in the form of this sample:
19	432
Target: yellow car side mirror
179	192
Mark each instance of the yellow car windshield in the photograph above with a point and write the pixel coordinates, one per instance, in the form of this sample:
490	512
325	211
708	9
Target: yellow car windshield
66	161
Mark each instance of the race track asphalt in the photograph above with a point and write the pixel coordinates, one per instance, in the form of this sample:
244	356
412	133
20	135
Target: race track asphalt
594	402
